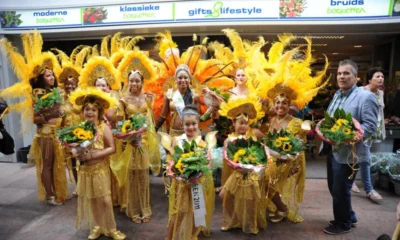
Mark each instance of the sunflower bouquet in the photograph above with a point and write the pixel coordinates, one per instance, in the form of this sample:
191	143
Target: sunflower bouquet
48	102
132	128
189	163
340	129
77	137
246	154
283	144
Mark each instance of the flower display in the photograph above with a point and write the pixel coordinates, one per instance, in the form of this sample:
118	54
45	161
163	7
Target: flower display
94	15
291	8
246	154
284	143
189	163
127	127
50	99
340	129
75	135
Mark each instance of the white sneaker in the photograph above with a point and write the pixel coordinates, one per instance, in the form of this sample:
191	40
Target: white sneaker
374	196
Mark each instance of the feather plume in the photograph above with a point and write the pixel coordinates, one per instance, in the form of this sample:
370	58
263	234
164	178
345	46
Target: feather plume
37	44
194	37
16	60
76	50
95	51
131	44
204	42
61	56
27	45
104	46
81	56
115	42
236	42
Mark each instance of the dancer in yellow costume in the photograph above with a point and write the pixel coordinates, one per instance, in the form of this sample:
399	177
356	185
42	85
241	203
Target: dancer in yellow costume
243	193
68	76
289	82
36	73
181	222
94	190
101	73
244	64
132	170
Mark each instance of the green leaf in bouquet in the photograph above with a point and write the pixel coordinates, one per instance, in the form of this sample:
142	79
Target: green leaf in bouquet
178	150
193	145
349	118
186	147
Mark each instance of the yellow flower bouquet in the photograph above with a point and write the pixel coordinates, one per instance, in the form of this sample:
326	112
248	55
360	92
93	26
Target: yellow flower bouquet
283	144
189	163
339	129
48	104
131	129
246	154
77	137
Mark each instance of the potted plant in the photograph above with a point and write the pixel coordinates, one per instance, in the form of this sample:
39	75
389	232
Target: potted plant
374	169
394	173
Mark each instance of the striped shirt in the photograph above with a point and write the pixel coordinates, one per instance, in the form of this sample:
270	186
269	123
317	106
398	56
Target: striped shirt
339	99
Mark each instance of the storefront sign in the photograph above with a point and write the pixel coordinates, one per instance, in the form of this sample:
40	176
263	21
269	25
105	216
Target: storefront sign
197	11
325	9
217	10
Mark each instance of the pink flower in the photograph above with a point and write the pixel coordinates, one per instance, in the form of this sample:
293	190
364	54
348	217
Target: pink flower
282	4
293	1
299	8
291	14
290	6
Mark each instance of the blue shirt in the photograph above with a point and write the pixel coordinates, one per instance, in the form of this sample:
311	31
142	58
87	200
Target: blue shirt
339	99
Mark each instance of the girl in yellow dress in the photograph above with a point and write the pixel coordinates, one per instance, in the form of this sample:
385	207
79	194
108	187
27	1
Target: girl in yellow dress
35	71
94	190
242	195
181	222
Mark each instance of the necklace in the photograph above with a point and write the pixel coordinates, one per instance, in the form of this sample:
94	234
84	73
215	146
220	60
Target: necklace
282	119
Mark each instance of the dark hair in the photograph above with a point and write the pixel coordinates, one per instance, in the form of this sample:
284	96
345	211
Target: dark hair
134	72
370	73
39	81
92	100
351	63
191	108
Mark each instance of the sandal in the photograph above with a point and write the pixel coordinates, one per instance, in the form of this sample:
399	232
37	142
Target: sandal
74	194
355	189
146	219
95	233
374	196
279	216
52	201
116	235
137	219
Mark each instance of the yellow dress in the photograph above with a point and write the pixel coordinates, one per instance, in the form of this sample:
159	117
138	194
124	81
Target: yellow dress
94	193
181	213
136	161
226	170
288	177
44	146
71	117
243	204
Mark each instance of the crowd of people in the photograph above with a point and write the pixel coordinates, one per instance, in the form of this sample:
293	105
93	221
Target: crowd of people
178	96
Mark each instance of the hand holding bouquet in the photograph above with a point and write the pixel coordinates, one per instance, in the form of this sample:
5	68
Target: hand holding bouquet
340	129
246	155
131	129
78	137
284	145
189	163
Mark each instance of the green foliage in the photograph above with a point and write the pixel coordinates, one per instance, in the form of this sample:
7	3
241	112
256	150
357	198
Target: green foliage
48	100
10	19
138	121
222	94
339	137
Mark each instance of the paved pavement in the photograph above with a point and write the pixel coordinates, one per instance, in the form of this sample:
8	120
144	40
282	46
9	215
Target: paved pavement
23	217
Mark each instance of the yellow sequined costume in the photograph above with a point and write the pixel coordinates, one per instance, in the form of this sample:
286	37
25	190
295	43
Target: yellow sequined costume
137	161
94	193
181	213
45	146
288	177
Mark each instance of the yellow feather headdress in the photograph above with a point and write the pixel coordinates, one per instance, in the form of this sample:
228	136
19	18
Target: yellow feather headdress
27	67
165	44
99	67
80	96
71	67
292	76
136	60
249	107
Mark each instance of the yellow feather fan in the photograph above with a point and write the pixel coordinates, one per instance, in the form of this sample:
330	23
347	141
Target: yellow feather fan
99	67
165	43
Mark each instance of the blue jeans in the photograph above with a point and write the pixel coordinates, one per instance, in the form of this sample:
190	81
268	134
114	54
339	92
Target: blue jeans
339	186
365	176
